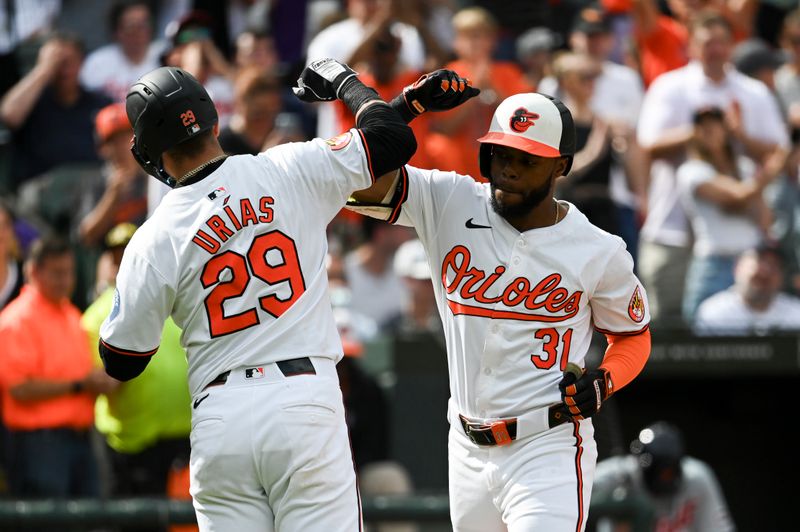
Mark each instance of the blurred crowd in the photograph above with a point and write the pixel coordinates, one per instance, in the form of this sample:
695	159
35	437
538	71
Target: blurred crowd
688	124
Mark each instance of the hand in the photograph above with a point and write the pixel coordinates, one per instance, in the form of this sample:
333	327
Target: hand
98	382
321	80
585	395
50	56
439	90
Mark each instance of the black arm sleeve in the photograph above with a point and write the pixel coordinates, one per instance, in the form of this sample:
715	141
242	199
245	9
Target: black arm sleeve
390	141
121	366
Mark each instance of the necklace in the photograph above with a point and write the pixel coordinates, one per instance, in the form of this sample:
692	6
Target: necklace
557	213
193	172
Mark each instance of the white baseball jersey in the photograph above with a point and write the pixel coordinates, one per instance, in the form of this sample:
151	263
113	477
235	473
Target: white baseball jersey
516	307
238	260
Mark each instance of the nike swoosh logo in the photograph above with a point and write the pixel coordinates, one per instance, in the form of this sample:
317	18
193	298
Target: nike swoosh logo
471	225
200	400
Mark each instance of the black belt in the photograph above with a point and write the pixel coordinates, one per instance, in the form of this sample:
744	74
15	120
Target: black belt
289	368
500	432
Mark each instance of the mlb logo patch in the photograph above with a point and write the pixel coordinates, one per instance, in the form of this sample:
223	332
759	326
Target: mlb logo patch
217	192
254	373
193	129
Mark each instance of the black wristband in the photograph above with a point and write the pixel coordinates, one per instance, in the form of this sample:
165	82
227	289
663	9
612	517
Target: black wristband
399	104
76	387
354	94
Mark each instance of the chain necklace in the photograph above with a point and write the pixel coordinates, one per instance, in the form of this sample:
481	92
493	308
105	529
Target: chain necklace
557	209
196	170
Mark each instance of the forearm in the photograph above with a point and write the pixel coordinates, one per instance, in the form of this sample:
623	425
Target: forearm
754	148
20	99
671	142
625	357
40	389
97	223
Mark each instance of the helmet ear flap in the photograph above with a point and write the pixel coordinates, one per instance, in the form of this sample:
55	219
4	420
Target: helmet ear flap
485	160
155	170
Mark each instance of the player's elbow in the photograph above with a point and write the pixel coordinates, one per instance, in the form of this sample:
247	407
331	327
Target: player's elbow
121	366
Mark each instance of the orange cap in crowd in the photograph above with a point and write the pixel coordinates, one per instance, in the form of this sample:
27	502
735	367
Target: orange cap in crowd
111	120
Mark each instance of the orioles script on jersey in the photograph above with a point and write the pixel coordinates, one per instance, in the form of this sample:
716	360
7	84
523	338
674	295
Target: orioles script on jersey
235	218
478	287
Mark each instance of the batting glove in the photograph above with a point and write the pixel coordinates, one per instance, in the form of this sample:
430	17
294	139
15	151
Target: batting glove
585	395
322	81
439	90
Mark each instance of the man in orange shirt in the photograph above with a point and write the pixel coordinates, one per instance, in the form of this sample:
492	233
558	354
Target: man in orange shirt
48	381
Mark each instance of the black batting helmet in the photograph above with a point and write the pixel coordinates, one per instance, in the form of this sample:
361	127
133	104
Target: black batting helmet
659	449
166	107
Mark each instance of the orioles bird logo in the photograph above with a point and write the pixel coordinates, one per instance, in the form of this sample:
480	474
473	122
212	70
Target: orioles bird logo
522	119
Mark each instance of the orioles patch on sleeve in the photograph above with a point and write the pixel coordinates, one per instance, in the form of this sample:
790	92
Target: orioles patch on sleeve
636	306
339	141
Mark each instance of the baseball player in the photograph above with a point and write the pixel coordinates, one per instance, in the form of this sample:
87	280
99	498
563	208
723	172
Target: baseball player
677	492
521	279
235	253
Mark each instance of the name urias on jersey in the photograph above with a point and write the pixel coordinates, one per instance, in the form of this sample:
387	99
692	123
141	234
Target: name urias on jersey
236	218
476	286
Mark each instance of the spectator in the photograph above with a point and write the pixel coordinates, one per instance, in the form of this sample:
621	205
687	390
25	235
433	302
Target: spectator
754	304
50	112
678	491
452	143
376	290
664	130
48	382
255	48
588	183
113	68
121	195
722	197
756	59
257	122
383	71
192	49
419	314
347	40
535	50
10	257
145	421
617	98
21	22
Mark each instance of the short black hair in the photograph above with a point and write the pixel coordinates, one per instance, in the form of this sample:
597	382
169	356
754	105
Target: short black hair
48	246
118	9
71	38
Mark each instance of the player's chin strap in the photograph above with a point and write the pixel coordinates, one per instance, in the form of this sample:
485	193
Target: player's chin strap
154	169
382	210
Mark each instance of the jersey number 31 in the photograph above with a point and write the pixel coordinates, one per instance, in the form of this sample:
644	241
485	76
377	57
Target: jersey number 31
242	269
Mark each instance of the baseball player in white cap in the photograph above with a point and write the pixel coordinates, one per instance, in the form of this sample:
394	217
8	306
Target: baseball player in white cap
235	253
521	279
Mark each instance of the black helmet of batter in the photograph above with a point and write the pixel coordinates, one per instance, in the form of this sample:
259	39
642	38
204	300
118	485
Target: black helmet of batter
659	449
166	106
532	122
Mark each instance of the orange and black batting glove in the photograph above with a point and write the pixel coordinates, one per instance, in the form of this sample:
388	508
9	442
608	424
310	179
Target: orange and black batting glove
439	90
584	395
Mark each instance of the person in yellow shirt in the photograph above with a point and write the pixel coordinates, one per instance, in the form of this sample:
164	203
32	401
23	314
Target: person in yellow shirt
145	421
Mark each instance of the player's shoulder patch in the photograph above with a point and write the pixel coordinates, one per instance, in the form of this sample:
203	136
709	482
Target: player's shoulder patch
339	141
636	306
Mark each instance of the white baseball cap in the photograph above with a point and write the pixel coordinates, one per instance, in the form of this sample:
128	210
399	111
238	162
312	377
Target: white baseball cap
532	122
410	260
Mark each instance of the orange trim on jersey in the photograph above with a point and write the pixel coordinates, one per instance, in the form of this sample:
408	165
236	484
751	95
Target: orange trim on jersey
482	312
403	196
628	333
625	357
369	157
128	352
578	471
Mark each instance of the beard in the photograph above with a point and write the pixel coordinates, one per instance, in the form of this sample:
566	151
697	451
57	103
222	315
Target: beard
530	200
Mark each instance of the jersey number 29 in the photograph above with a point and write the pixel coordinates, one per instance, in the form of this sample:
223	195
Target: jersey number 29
242	269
